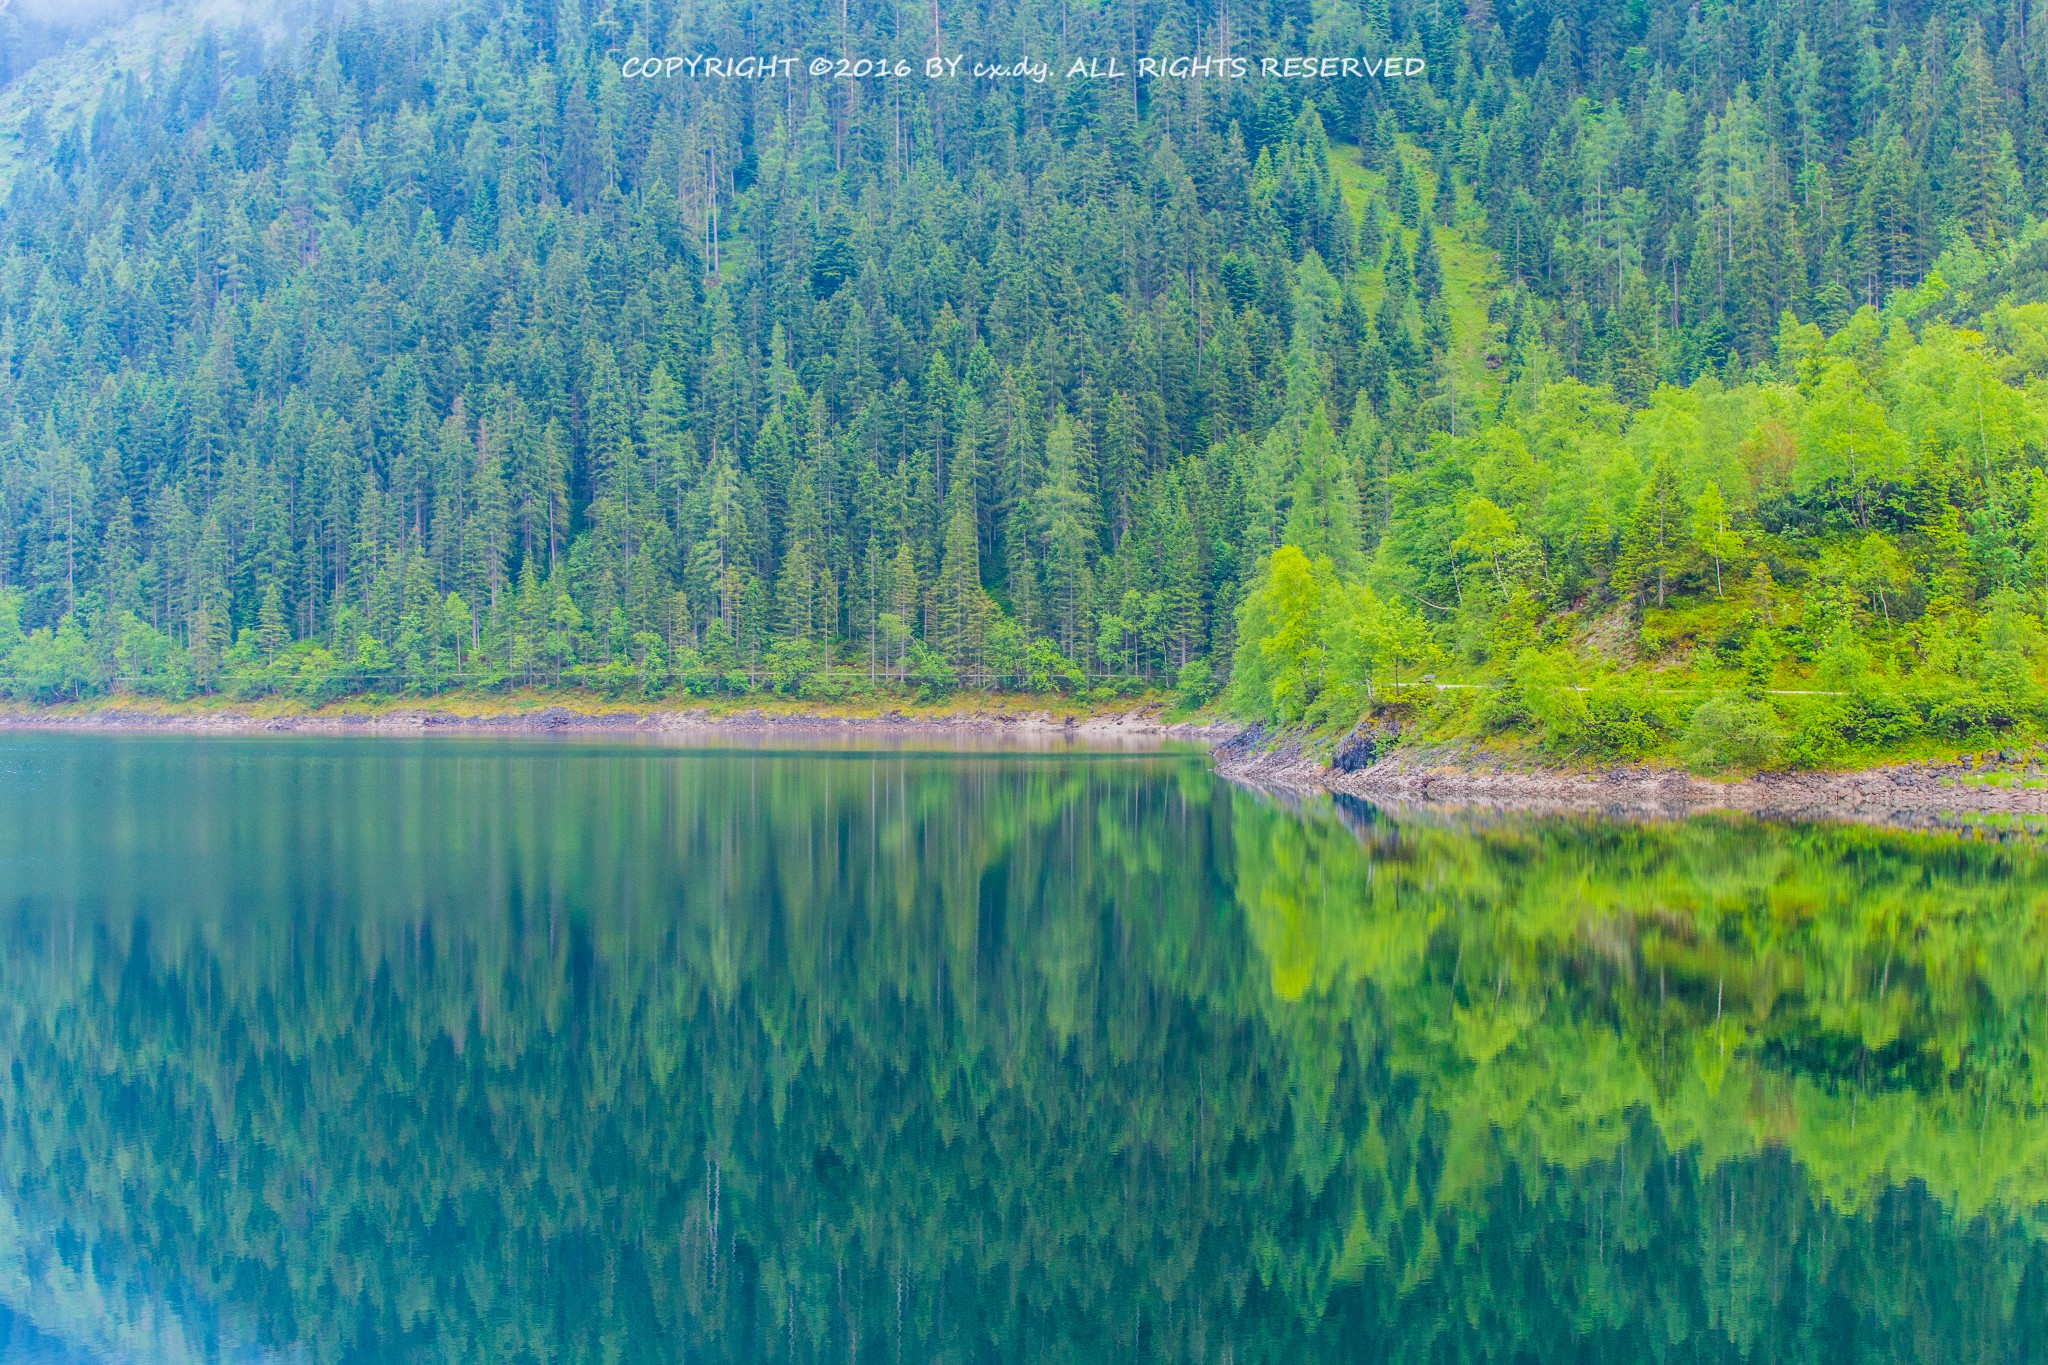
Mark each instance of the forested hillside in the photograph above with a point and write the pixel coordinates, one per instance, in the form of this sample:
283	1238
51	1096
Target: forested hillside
422	348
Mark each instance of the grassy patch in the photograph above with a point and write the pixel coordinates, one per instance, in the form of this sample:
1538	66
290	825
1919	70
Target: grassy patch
1471	270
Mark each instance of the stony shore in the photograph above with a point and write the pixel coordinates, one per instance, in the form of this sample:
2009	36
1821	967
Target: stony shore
1997	784
2003	784
596	719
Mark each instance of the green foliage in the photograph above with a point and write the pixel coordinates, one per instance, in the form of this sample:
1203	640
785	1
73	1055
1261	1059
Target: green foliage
1590	543
2011	645
931	673
1622	721
1047	670
10	623
1195	684
1005	653
1868	720
1312	647
50	665
1732	733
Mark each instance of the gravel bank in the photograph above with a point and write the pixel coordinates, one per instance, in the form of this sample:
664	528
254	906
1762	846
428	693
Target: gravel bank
1142	724
2001	783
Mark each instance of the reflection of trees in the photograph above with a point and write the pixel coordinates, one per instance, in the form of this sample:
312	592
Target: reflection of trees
1865	999
543	1054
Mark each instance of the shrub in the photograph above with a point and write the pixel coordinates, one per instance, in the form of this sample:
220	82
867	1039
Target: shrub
1543	691
653	668
1879	718
1048	670
10	623
931	673
52	665
150	663
790	664
1830	727
1194	685
2009	640
697	677
1966	713
611	680
306	669
1731	732
1822	734
1622	720
1003	653
1501	709
824	685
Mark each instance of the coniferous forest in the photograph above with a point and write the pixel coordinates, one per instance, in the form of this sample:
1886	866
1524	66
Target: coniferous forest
1633	379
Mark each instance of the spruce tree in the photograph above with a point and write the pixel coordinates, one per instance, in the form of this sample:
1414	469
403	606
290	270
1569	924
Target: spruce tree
1066	526
957	600
1429	272
271	633
1655	545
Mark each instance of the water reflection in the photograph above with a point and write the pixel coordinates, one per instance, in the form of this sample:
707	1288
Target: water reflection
548	1052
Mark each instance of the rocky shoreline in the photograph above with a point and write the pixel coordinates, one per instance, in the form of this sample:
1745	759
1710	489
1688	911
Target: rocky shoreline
1965	791
1142	724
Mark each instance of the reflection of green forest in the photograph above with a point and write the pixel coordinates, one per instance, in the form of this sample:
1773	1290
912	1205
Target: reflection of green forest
1869	1000
555	1053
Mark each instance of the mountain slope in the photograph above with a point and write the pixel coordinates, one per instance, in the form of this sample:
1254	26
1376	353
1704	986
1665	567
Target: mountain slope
425	349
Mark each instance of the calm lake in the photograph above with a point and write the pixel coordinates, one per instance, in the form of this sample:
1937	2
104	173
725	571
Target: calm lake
522	1051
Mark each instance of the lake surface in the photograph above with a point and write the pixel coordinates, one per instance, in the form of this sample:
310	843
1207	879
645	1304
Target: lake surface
474	1050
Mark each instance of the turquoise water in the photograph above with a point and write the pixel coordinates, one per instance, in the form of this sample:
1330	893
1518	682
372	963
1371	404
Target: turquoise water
475	1050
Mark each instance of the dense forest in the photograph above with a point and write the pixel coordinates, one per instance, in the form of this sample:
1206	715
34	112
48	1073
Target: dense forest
755	1057
1657	377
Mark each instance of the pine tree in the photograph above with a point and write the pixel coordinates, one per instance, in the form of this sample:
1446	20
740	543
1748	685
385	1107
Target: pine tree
1632	344
1372	234
271	634
1980	163
307	188
487	542
1887	226
670	441
1180	573
905	598
1396	276
1323	517
1065	524
957	619
1655	545
803	614
1403	191
1119	466
1429	273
